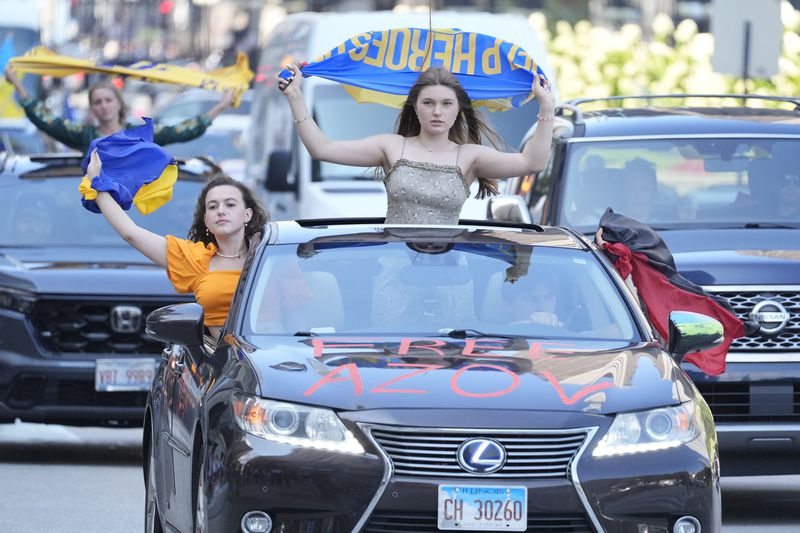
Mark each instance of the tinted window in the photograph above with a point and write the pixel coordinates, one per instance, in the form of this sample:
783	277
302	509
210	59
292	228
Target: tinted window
683	181
48	211
429	289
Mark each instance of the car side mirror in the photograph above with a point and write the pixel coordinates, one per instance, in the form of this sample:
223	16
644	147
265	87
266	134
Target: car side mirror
278	166
177	324
692	332
509	208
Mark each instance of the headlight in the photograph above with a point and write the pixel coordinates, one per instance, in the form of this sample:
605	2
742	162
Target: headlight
649	431
16	300
298	425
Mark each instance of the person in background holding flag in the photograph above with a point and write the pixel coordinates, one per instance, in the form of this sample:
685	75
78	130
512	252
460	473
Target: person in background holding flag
228	222
437	152
110	112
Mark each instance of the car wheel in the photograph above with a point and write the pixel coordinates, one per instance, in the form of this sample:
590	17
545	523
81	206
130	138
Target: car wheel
152	518
200	517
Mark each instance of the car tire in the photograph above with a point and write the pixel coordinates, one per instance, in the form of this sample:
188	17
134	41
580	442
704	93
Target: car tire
199	499
152	518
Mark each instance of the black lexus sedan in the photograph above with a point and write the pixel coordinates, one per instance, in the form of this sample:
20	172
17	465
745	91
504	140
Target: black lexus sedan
378	378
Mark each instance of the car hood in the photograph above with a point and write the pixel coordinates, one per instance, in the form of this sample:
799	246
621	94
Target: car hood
88	270
570	376
736	256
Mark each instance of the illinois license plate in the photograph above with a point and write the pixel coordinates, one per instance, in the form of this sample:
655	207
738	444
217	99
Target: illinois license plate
112	375
482	508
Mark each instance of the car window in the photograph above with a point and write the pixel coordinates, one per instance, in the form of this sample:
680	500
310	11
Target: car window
219	145
432	288
682	181
42	212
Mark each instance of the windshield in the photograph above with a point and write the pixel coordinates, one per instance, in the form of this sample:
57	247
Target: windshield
342	118
683	181
431	289
47	212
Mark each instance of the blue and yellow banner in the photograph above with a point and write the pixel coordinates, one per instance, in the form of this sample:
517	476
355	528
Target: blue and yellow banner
381	66
42	61
134	171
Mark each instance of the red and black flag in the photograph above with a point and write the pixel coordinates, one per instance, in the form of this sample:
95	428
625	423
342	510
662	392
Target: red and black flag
638	251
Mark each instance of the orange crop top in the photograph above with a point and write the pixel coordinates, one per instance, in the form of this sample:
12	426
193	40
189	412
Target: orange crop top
187	268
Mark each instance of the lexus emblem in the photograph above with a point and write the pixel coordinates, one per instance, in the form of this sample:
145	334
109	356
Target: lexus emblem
126	319
770	315
481	456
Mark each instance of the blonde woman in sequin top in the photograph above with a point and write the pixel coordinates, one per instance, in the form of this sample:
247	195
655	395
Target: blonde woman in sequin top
437	152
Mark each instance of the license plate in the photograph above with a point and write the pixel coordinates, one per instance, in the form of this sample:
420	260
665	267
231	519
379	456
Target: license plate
112	375
483	508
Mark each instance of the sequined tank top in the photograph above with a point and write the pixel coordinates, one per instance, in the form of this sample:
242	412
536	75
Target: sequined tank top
424	193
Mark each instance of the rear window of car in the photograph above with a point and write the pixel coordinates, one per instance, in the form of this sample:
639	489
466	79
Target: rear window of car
48	211
430	288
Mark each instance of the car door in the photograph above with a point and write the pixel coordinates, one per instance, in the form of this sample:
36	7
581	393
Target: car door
192	375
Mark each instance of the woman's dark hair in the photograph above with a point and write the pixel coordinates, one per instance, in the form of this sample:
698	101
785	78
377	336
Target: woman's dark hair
198	232
123	107
469	126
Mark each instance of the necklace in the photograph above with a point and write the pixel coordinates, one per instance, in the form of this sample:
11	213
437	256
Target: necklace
237	256
431	149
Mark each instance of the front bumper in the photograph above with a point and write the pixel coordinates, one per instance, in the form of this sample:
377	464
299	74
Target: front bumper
308	490
37	386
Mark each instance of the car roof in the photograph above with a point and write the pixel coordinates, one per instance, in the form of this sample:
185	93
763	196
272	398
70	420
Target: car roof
652	119
467	231
69	165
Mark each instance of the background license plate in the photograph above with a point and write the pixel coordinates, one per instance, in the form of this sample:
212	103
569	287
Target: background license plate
482	508
124	374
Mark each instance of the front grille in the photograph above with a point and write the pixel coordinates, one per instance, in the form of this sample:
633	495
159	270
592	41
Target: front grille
64	392
384	522
84	327
531	454
743	302
732	402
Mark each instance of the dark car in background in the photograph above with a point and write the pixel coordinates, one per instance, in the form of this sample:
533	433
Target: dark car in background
381	378
720	185
74	296
20	136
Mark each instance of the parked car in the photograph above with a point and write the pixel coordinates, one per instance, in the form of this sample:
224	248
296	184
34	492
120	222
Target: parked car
721	187
74	296
393	378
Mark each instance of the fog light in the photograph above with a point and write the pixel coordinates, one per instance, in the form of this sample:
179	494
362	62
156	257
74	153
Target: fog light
256	522
687	524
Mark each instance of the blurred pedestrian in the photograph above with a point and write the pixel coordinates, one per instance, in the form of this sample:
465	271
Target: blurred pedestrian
437	151
109	111
228	222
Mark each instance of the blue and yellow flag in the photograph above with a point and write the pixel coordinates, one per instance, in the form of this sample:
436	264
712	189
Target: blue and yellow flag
135	170
42	61
381	66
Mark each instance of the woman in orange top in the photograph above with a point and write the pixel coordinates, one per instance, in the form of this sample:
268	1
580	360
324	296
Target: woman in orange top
227	220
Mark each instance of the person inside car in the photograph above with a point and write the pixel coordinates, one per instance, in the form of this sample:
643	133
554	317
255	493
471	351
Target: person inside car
227	223
534	300
110	112
431	162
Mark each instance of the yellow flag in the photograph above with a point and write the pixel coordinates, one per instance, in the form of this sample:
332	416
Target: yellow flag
43	61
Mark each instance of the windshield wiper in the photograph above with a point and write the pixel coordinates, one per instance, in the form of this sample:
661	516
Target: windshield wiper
771	225
475	334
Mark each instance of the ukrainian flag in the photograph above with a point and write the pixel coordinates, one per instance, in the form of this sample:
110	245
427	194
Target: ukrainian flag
381	66
135	170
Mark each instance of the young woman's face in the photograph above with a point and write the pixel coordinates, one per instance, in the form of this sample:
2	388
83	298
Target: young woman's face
226	212
437	108
105	105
